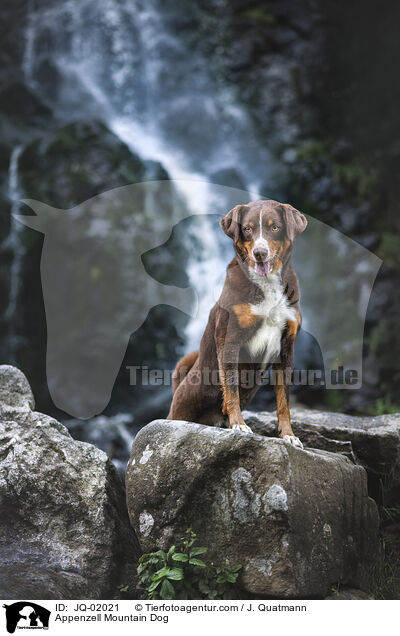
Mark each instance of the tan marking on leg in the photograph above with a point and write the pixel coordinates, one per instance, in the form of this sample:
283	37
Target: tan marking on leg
231	406
282	406
231	403
293	326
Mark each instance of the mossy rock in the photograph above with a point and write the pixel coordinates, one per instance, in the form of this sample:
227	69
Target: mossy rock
77	162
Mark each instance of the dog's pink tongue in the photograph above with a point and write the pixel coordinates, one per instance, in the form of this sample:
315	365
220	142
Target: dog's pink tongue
262	269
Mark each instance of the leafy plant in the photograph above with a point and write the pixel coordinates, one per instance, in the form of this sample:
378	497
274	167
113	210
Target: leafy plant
335	590
385	575
390	513
258	15
180	573
382	406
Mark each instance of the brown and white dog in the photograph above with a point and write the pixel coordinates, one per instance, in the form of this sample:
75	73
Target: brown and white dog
254	323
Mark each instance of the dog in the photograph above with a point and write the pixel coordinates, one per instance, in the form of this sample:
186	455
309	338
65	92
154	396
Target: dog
253	325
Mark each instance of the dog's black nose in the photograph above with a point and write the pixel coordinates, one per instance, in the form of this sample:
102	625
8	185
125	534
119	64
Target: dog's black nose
260	253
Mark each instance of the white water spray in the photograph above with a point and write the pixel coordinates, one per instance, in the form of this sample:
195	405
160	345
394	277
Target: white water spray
14	244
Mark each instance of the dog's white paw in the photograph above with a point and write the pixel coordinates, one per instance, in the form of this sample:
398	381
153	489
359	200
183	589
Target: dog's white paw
293	440
243	428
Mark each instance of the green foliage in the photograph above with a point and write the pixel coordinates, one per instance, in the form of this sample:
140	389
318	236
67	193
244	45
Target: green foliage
334	400
311	151
259	15
385	576
181	574
389	249
335	590
124	591
357	179
382	406
391	513
160	350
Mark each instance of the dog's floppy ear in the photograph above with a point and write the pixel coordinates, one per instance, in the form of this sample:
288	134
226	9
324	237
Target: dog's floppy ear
231	222
295	221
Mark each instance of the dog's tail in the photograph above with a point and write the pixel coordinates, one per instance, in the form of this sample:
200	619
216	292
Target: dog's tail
182	368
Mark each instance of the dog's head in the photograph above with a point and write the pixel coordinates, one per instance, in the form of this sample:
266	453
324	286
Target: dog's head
263	233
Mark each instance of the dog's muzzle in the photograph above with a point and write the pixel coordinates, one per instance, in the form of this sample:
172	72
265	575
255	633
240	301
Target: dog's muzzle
262	264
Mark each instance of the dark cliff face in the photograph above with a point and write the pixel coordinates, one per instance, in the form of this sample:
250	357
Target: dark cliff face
358	101
341	159
12	33
301	95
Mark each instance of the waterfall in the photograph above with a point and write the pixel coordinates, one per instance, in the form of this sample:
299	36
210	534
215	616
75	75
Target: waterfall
14	244
151	71
126	62
27	61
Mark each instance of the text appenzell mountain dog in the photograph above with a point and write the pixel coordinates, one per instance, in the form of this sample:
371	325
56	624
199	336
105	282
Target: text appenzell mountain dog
254	323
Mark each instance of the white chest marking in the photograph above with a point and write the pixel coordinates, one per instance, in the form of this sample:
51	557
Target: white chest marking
275	312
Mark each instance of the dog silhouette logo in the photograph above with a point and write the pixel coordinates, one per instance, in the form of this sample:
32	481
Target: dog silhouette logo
26	615
97	291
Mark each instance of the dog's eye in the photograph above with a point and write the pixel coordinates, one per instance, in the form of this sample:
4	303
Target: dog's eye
274	228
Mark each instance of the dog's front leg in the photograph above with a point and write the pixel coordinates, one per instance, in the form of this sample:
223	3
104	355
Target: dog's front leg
227	349
229	379
282	372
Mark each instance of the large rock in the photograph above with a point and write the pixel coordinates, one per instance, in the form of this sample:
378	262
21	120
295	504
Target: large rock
78	161
16	397
298	521
373	442
64	527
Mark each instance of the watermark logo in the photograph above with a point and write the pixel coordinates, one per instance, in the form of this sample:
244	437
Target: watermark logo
246	378
98	291
26	615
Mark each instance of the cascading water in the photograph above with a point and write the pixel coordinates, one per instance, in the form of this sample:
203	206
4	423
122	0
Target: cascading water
130	62
142	68
14	245
150	71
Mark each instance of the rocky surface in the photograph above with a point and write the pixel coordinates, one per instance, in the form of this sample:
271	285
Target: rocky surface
65	531
79	161
111	434
299	521
373	442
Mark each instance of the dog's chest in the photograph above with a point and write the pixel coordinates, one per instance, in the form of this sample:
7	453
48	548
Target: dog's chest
274	310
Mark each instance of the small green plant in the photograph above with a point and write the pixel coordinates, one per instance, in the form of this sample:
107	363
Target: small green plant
180	574
335	590
390	513
385	574
382	406
258	15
